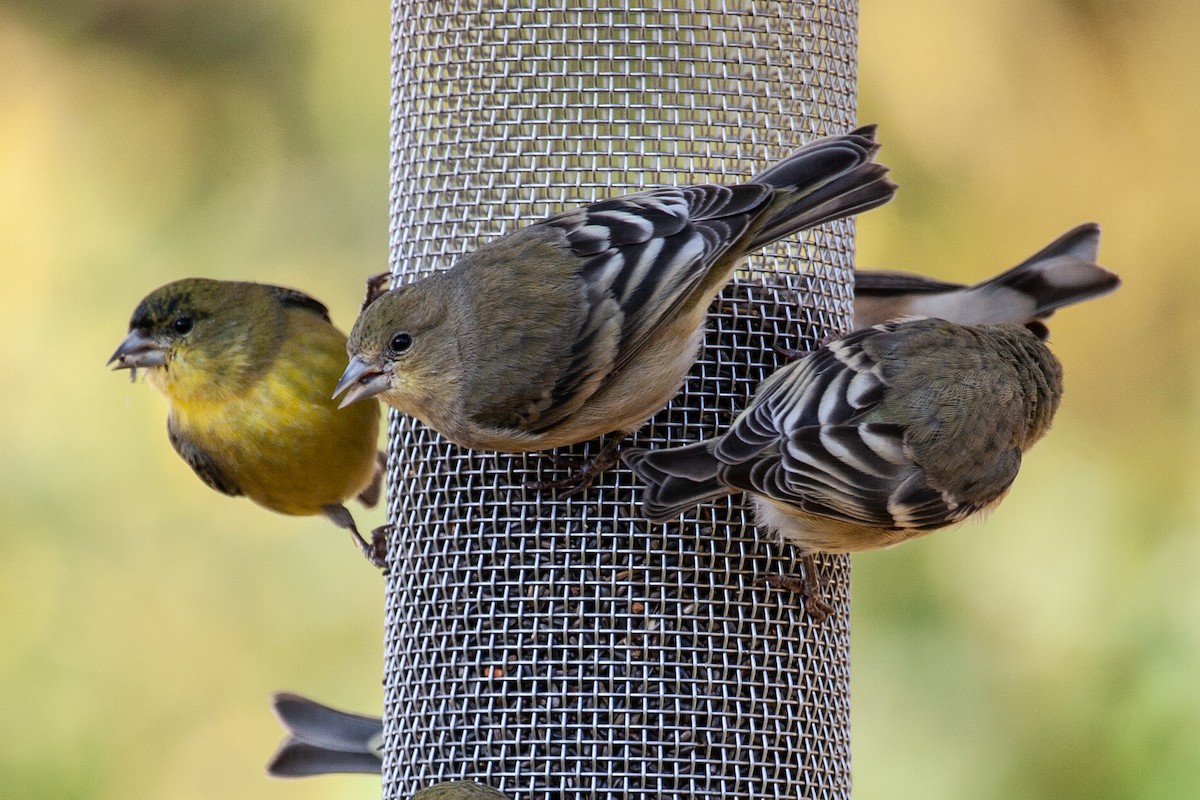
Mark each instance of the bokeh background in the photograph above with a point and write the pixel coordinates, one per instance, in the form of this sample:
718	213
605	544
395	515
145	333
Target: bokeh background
1052	651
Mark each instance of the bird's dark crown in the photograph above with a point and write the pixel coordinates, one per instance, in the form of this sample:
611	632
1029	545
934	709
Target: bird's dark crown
166	303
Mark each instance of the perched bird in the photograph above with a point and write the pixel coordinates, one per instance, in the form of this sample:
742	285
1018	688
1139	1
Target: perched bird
247	369
323	740
586	323
1060	274
877	437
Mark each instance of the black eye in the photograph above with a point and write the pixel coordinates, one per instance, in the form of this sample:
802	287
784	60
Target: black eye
401	342
182	325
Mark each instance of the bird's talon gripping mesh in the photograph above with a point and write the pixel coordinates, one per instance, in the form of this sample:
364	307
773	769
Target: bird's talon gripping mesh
567	648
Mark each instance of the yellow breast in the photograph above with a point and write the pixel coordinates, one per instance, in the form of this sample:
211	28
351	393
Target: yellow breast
281	438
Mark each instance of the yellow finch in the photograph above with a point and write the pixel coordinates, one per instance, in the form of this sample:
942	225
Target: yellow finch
586	323
247	369
1062	273
877	437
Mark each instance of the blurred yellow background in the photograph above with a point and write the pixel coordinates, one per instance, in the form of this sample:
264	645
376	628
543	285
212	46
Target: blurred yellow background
1052	651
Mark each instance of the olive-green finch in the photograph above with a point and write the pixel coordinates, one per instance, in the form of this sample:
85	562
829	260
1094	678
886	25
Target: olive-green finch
247	370
877	437
586	323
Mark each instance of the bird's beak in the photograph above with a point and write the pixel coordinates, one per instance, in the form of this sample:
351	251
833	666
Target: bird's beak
361	381
139	350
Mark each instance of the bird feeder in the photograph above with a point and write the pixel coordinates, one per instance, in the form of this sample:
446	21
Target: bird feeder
564	647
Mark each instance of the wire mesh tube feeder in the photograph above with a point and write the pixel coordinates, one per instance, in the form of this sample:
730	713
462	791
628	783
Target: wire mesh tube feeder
565	647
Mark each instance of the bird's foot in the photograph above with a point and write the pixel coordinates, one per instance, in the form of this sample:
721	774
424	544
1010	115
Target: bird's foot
375	550
789	353
582	475
377	286
808	587
792	354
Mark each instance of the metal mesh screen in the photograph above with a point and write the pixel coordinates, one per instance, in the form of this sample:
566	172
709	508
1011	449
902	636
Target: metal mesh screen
567	648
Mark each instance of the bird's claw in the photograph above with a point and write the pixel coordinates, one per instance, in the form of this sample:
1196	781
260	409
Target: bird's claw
792	354
377	549
582	474
581	478
376	288
808	587
789	353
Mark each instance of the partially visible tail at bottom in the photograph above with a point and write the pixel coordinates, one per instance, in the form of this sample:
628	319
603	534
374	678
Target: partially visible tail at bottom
676	478
324	740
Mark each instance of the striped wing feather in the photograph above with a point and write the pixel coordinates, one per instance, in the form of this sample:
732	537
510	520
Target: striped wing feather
805	442
645	256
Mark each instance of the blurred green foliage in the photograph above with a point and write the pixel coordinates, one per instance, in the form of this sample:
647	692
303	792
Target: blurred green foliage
1050	652
145	619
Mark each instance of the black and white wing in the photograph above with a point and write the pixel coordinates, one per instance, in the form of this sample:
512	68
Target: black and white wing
644	257
806	441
